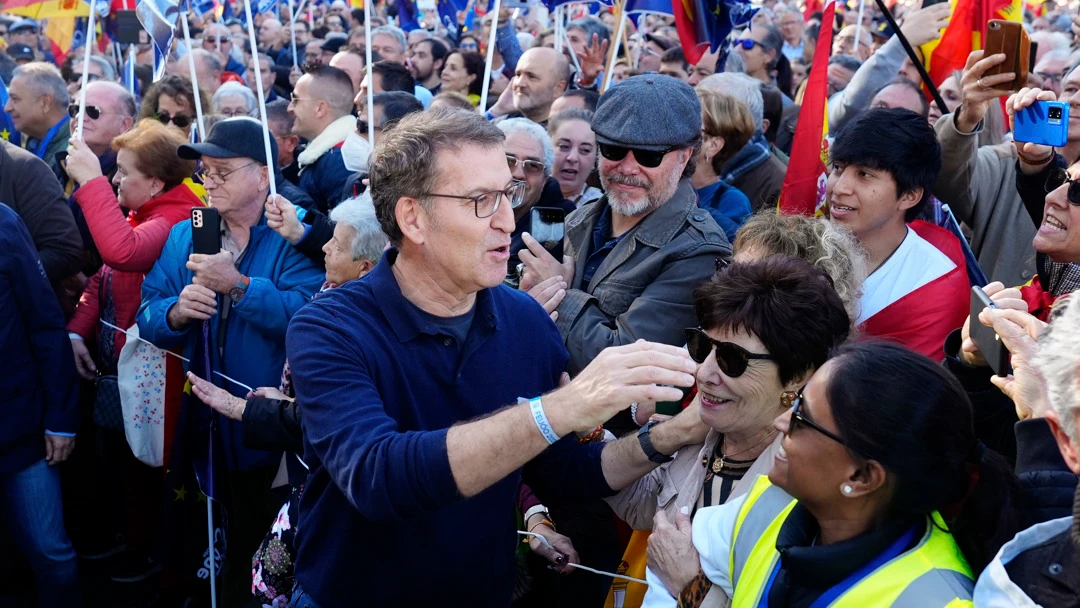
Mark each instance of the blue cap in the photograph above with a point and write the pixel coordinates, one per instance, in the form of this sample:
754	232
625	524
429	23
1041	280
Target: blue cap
651	112
24	24
238	137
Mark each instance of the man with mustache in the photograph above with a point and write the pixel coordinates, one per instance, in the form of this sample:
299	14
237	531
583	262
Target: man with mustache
634	257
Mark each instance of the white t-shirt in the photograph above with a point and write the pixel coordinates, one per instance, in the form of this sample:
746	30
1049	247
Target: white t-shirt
915	263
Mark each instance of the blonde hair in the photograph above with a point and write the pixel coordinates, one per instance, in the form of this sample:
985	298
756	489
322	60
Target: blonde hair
831	248
728	118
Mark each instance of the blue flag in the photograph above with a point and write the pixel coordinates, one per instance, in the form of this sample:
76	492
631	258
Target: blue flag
158	17
7	126
267	6
407	15
201	7
448	12
128	79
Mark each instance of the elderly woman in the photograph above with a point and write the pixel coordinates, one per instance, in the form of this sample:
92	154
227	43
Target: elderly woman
271	418
464	73
575	155
897	508
234	99
726	126
171	101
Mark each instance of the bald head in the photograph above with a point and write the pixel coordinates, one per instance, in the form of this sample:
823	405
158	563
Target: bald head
846	44
117	110
352	64
542	75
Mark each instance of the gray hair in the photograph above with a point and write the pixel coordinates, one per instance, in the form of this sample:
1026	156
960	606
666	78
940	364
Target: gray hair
368	239
394	31
743	88
44	79
209	59
590	25
235	89
1055	41
1059	362
535	131
108	72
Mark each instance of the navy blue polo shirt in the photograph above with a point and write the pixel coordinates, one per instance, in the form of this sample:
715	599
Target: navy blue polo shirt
379	383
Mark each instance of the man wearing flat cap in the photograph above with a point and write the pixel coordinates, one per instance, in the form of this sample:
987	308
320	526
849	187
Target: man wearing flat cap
248	292
633	258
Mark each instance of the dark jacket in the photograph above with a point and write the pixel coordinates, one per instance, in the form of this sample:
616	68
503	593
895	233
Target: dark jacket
38	389
757	172
292	193
324	180
272	425
727	205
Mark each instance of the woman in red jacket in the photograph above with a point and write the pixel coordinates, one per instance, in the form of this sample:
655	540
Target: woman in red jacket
149	182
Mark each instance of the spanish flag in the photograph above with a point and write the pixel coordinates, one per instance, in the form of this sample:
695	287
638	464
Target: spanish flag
803	192
965	34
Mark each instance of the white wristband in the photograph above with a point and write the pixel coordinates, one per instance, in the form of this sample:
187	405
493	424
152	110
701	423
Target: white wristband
533	511
540	418
74	336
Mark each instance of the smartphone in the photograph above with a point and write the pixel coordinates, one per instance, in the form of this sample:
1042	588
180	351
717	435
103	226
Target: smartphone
1009	37
990	345
1043	122
205	230
672	408
546	225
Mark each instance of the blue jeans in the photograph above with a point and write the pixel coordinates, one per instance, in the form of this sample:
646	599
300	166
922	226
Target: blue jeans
301	599
35	519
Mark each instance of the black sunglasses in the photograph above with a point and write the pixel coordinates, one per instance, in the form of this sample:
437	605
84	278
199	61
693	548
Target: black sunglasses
645	158
1058	178
92	112
799	420
179	120
732	358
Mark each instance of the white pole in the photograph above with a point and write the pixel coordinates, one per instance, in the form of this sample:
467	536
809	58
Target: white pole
858	28
370	80
615	46
573	55
90	40
271	162
194	79
292	33
558	28
490	54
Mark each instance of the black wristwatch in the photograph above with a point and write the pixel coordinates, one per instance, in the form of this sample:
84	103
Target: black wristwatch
647	446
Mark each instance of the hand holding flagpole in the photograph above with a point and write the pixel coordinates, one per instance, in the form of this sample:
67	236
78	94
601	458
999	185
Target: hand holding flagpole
620	14
271	162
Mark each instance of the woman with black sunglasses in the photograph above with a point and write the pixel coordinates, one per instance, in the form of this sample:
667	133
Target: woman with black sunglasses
880	495
171	101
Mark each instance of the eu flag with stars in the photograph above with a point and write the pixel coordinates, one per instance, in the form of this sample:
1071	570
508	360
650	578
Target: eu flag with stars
707	24
408	17
7	126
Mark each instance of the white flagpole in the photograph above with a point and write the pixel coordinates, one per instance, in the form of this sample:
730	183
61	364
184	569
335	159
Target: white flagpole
91	39
558	28
370	81
615	46
858	28
271	162
292	33
194	78
490	54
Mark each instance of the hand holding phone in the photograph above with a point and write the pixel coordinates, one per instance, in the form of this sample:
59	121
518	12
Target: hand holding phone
1044	123
985	338
205	230
1010	38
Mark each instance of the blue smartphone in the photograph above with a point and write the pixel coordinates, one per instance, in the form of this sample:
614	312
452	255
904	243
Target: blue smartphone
1043	122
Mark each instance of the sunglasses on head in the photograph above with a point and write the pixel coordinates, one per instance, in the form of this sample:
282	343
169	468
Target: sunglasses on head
179	120
645	158
92	112
732	358
1060	177
530	167
745	43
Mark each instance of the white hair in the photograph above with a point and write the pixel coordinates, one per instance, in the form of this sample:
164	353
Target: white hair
743	88
535	131
358	213
235	89
525	39
44	79
1055	41
1058	361
394	31
108	72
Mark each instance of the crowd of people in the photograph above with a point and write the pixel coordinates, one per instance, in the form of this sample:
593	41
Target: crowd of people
565	329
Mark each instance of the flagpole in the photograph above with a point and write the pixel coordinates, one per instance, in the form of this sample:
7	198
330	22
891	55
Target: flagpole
370	80
490	54
558	28
858	27
292	33
90	38
930	86
194	78
620	8
271	163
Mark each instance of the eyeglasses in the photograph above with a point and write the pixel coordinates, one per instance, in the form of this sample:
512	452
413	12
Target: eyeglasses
233	112
295	100
218	178
799	420
89	78
1058	178
92	112
732	358
219	39
645	158
469	46
530	167
487	203
745	43
179	120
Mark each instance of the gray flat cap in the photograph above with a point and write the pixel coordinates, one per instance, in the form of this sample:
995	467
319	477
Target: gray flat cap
651	112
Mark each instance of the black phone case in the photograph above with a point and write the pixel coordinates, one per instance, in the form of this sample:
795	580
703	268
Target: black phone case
990	345
205	230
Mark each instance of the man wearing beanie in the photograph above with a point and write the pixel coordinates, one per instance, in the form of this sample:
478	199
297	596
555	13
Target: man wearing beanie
633	258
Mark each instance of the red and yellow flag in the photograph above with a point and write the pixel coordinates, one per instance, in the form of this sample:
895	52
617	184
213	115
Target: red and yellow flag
965	34
803	192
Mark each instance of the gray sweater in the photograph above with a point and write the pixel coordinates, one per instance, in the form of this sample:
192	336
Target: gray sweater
871	77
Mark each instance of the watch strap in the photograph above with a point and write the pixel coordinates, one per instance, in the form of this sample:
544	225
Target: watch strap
646	444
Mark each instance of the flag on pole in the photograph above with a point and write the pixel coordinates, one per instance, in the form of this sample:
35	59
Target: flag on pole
707	24
158	18
965	33
267	6
803	191
408	18
7	126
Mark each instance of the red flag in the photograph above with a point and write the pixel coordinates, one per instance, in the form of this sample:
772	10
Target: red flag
965	33
803	192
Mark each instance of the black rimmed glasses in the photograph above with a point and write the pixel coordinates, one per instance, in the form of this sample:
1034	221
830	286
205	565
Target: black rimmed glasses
1060	177
799	420
732	358
487	203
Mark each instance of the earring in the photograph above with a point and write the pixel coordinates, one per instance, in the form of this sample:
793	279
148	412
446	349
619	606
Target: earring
787	399
707	158
847	489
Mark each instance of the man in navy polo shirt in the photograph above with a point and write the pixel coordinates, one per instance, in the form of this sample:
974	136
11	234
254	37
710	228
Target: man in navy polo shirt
420	387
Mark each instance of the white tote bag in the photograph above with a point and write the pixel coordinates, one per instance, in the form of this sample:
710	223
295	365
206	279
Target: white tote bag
141	376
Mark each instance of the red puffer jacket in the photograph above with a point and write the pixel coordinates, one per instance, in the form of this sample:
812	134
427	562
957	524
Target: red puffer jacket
129	246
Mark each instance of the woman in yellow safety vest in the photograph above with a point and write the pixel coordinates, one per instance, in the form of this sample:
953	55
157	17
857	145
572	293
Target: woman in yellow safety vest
880	495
